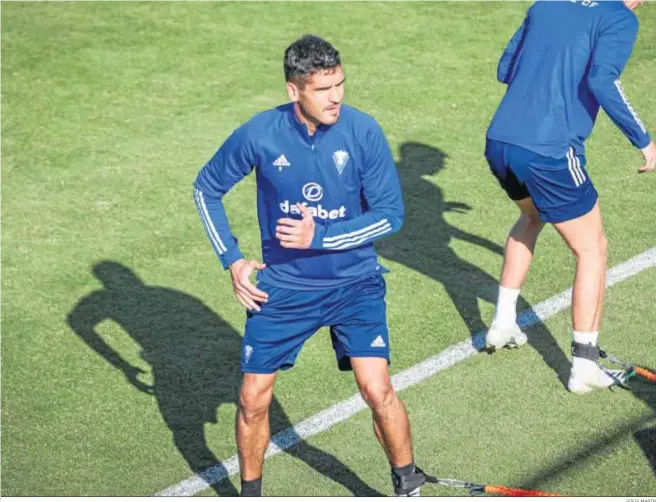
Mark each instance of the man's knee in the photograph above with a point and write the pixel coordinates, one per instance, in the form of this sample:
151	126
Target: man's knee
377	394
595	247
254	401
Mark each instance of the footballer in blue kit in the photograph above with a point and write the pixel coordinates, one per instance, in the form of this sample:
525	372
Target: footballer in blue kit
327	189
561	66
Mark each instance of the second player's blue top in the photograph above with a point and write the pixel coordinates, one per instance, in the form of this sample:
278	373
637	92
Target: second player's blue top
562	64
345	175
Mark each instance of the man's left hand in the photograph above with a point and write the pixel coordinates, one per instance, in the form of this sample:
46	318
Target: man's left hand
649	153
296	234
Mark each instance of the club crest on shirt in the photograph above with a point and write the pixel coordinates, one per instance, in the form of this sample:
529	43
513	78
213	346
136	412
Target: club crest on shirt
340	157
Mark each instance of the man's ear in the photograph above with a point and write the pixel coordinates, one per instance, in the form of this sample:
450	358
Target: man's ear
292	91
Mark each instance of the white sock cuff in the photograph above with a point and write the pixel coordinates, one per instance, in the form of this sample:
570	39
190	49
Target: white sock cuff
586	337
509	293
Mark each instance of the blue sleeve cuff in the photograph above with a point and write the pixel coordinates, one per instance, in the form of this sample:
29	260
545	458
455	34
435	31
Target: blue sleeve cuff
231	256
319	233
645	142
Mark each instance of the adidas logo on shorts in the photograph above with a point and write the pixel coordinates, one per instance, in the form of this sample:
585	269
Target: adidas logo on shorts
378	342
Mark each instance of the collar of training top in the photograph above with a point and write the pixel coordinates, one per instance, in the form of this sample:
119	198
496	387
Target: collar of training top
302	129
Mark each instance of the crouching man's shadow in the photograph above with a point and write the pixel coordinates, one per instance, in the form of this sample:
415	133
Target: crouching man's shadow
195	364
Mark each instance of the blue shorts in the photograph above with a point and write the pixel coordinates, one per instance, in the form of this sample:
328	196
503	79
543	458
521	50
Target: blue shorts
560	188
356	314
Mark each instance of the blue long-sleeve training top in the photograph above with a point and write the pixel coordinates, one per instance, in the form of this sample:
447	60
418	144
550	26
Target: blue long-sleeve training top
344	174
562	64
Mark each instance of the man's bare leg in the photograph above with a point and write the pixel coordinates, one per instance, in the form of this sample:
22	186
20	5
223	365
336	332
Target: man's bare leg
391	424
518	255
585	237
252	427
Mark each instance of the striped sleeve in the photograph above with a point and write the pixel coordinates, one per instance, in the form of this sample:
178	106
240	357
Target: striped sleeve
382	195
612	51
232	162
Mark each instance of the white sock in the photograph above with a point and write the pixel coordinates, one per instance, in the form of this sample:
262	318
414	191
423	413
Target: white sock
579	364
506	313
586	337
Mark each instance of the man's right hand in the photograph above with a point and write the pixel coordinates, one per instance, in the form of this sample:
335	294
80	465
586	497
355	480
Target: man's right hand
246	292
649	152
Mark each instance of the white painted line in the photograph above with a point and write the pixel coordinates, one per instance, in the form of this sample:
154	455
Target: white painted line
413	375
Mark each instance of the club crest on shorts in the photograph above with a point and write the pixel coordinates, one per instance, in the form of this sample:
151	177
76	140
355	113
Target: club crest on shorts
248	352
340	157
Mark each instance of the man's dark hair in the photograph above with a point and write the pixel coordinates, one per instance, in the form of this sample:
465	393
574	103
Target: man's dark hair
308	55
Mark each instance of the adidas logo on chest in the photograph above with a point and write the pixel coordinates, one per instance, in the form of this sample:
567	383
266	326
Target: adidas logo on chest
281	162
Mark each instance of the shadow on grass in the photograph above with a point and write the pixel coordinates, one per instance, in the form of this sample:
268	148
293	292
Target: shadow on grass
424	245
194	357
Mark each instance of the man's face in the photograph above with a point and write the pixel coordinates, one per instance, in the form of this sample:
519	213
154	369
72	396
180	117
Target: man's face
321	96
